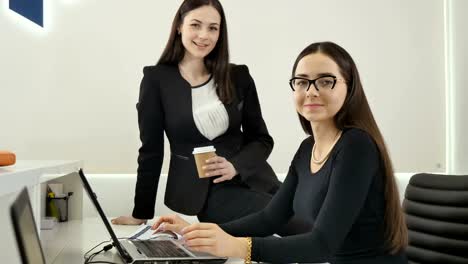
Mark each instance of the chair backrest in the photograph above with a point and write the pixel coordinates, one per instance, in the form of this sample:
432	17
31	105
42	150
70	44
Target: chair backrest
436	208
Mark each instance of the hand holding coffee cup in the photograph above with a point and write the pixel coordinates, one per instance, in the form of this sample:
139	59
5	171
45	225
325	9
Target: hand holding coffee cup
209	164
220	166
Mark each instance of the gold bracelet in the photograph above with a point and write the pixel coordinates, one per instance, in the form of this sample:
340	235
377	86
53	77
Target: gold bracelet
249	251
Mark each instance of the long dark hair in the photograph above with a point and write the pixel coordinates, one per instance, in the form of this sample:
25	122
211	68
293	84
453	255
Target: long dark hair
356	113
217	61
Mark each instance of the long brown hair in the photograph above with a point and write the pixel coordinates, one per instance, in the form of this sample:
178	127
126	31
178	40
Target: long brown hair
356	113
217	61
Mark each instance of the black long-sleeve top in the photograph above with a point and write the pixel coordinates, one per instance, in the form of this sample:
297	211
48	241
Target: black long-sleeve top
343	200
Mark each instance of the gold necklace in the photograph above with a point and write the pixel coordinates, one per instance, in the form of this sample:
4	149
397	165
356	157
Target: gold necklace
314	160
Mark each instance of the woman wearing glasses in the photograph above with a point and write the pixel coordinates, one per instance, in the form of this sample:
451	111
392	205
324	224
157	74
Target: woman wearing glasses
197	98
341	179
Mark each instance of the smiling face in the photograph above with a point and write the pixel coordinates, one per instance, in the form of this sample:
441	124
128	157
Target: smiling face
321	105
200	31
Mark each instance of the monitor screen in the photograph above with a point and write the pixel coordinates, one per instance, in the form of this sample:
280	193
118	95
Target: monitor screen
27	238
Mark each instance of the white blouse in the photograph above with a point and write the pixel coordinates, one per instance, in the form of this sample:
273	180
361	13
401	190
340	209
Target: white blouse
209	113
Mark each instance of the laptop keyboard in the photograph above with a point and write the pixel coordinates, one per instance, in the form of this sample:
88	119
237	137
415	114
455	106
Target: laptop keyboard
161	248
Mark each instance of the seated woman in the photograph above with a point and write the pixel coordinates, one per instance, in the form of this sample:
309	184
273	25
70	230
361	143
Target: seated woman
341	179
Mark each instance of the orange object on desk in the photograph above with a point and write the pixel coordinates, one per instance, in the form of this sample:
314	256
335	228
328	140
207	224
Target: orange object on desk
7	158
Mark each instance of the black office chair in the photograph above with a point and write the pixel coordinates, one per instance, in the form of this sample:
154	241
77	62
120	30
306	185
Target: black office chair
436	208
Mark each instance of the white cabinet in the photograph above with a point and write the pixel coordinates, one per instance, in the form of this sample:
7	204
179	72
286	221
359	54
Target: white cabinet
35	174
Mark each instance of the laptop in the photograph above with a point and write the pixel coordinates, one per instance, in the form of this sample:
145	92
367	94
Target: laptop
25	230
164	250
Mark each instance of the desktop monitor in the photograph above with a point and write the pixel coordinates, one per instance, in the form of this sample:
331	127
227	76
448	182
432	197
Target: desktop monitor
25	230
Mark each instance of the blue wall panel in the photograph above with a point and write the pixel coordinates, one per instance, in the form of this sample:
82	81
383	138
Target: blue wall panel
30	9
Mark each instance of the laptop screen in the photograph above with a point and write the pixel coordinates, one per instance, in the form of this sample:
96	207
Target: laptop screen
94	200
25	230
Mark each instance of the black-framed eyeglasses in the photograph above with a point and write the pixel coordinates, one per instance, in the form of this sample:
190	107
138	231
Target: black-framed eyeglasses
323	83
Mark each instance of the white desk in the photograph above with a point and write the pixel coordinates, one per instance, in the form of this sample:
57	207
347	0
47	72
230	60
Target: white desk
34	174
79	236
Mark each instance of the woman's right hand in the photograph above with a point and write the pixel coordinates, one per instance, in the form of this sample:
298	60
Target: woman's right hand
127	220
172	223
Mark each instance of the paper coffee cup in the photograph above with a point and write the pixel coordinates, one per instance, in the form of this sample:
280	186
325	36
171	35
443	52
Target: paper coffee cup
201	155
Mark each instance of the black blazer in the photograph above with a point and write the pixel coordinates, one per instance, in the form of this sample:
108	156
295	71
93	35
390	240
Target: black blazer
165	105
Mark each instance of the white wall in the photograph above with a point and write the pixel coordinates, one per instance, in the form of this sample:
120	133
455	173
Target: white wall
69	91
459	42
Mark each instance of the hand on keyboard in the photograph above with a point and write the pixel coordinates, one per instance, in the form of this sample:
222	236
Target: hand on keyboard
164	234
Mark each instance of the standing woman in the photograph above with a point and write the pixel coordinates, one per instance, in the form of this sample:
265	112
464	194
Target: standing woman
341	180
198	98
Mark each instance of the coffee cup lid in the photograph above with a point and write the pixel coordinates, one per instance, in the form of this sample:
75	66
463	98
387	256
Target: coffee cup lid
203	150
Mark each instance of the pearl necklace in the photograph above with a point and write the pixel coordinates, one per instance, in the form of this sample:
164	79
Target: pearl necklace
314	160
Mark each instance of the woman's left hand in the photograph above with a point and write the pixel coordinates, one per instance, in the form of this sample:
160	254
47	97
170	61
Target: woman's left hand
210	238
219	166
